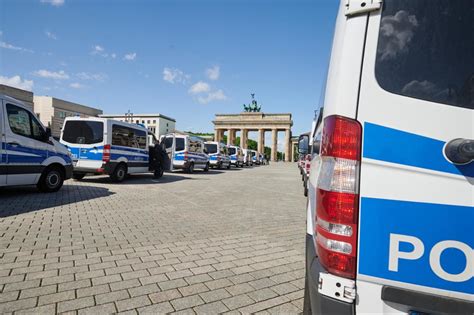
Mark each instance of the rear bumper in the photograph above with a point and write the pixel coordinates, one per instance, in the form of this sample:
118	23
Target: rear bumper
321	304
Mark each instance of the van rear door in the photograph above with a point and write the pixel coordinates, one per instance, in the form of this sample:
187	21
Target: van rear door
3	152
416	206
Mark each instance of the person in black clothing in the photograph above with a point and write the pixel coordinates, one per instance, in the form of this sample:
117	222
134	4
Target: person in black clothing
157	156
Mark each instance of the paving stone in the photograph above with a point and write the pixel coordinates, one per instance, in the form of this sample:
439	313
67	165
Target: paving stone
214	295
239	289
161	308
75	304
98	310
111	297
262	294
95	290
238	301
193	289
187	302
172	284
133	303
42	310
56	297
142	290
167	295
38	291
212	308
284	288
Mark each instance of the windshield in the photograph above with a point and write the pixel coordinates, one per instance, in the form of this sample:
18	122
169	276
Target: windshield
425	50
211	148
83	132
232	151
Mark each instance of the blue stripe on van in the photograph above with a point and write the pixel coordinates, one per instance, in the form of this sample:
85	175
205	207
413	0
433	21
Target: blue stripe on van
431	224
401	147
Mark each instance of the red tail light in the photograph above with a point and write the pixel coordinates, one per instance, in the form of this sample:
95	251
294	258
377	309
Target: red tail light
106	153
185	155
337	193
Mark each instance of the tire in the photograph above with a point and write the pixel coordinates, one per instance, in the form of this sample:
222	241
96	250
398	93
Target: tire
305	191
219	165
228	166
206	169
120	173
78	176
190	168
51	180
306	300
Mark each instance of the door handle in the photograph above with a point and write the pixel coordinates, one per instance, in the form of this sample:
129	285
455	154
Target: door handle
15	144
460	151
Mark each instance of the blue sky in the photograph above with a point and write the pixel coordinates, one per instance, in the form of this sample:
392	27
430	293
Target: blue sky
185	59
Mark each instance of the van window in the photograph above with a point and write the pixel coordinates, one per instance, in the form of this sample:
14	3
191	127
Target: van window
83	132
195	145
211	148
23	123
425	50
232	151
180	144
122	136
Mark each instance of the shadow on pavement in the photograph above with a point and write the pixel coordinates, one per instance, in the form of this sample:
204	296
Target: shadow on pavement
18	200
137	179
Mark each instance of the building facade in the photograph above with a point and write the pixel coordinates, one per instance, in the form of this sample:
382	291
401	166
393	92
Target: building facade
52	112
22	95
157	124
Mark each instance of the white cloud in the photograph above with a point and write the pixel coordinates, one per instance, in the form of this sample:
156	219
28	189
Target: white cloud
76	85
99	50
1	33
17	82
199	87
92	76
175	76
60	75
213	73
130	56
212	96
113	55
12	47
56	3
50	35
396	33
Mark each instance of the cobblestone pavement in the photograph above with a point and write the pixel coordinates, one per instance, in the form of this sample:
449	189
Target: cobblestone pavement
220	242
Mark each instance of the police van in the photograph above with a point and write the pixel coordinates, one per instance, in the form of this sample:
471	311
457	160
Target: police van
105	146
185	152
236	156
28	153
247	157
218	155
391	200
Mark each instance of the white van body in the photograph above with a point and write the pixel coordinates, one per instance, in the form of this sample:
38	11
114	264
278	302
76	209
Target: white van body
236	156
105	146
248	157
29	155
390	210
218	155
186	152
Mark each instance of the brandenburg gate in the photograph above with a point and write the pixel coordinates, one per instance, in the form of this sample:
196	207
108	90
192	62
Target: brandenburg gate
255	121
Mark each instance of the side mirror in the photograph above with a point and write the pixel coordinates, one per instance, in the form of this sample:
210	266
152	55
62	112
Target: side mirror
47	134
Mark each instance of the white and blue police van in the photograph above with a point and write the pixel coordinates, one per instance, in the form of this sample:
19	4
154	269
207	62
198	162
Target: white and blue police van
391	198
247	157
255	158
29	155
105	146
236	156
186	152
218	154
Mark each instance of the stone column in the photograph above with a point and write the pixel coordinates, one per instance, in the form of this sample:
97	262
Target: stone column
287	145
292	158
243	138
261	141
274	156
230	136
217	134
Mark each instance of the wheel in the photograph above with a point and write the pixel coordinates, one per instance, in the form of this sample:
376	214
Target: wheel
78	176
51	180
306	300
119	174
206	169
158	173
219	165
190	168
228	166
305	189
